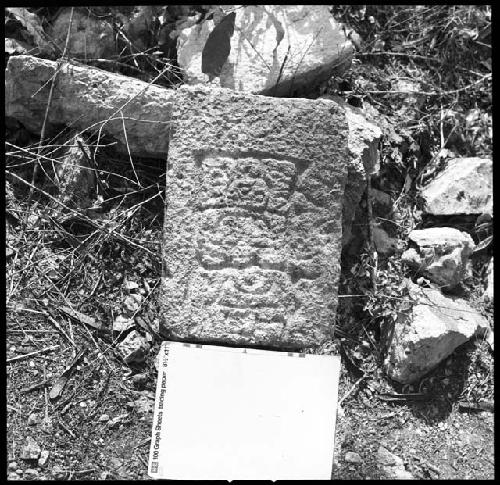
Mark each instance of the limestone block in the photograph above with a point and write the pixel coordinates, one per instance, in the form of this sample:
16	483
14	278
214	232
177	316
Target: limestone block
363	140
441	254
86	97
90	37
436	326
273	49
464	187
252	233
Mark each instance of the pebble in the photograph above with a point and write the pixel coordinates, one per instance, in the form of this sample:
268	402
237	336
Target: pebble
30	472
12	465
33	419
44	456
352	457
83	404
19	471
31	450
31	363
13	476
140	380
104	418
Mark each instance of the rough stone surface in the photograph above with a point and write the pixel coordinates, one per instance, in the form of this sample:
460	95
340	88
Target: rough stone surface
392	465
85	98
44	456
76	179
488	293
441	254
90	37
31	450
134	348
436	326
274	49
464	187
362	141
352	457
252	233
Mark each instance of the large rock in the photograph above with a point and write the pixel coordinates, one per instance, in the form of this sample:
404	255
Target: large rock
464	187
271	49
363	140
441	254
133	112
252	234
434	328
90	37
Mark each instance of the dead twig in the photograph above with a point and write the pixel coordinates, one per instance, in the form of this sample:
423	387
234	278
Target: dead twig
31	354
65	428
49	101
351	390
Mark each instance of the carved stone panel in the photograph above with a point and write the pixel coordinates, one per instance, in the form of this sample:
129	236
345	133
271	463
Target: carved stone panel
253	227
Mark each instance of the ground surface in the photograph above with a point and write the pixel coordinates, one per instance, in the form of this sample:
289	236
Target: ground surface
436	439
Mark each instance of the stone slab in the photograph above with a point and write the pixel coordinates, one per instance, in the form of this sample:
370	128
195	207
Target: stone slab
253	221
274	49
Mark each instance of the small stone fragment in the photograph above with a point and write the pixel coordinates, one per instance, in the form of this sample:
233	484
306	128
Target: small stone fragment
30	473
12	465
31	450
134	348
139	380
33	419
352	457
392	465
122	324
44	456
441	254
132	303
103	418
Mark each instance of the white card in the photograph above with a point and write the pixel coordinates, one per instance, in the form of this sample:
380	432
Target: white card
235	413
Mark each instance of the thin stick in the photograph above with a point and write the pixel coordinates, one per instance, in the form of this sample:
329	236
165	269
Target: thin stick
31	354
49	101
54	322
351	390
65	428
92	223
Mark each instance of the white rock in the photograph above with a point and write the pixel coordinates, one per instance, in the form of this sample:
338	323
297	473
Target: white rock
442	254
392	465
464	187
134	348
436	326
122	323
288	45
352	457
31	450
44	456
